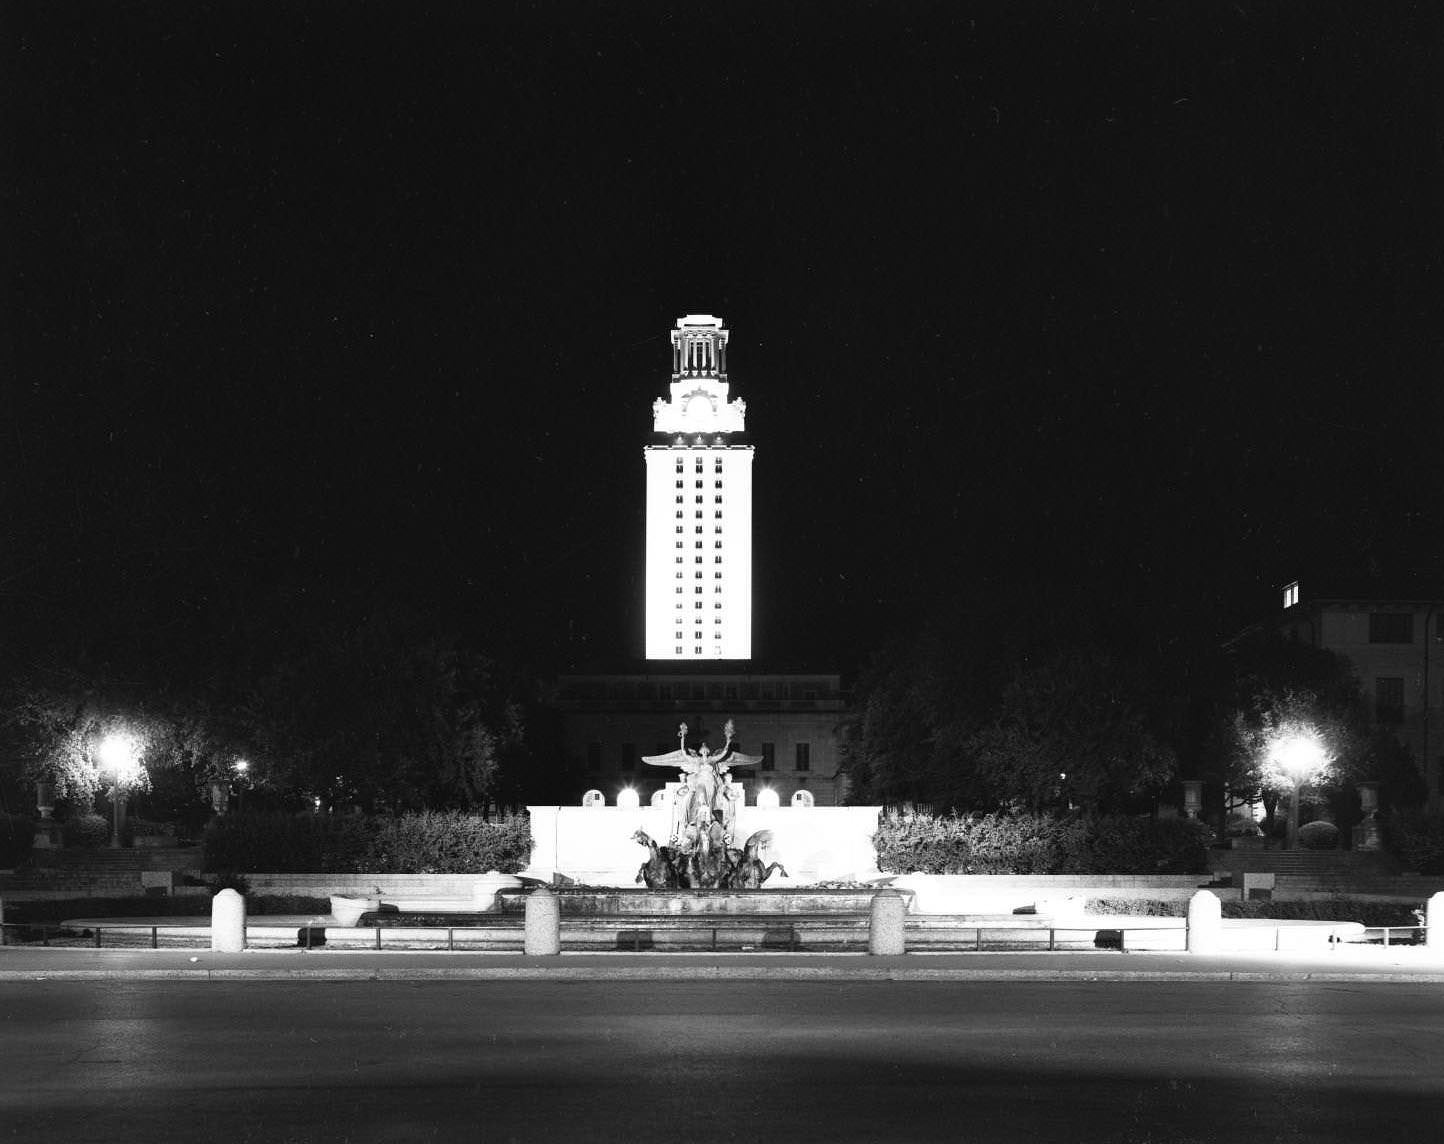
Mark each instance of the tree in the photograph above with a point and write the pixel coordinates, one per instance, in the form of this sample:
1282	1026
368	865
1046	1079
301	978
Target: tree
1071	730
387	713
1269	687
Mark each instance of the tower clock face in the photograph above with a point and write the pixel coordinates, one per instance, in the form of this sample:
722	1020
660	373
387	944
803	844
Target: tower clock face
701	404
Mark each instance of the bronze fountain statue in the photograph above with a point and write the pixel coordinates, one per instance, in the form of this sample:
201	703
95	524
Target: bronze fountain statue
699	853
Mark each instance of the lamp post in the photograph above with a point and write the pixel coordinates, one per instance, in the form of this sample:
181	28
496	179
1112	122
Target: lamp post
1297	755
241	767
118	755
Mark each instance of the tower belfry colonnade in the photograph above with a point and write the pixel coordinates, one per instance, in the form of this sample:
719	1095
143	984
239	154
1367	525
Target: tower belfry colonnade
699	506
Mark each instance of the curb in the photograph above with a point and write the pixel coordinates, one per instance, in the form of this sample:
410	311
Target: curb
738	973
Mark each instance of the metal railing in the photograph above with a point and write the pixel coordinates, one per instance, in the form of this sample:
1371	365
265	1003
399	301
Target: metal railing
754	932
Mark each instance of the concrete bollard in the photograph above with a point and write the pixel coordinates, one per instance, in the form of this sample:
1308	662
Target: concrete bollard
1434	919
543	936
228	922
1205	923
886	936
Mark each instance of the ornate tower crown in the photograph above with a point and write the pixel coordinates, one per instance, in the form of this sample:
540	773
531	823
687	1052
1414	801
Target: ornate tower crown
698	401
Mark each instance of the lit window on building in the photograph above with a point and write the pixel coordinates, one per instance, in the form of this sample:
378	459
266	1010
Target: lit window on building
1291	594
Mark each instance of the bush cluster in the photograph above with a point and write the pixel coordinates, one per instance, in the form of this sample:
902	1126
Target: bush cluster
88	830
1417	839
17	836
1039	844
419	843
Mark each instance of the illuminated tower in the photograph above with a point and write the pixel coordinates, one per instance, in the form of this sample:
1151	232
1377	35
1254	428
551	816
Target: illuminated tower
699	506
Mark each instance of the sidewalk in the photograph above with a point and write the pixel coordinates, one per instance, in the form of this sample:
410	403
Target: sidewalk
1414	964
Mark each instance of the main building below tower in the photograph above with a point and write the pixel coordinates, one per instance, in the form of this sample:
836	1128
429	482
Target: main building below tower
699	506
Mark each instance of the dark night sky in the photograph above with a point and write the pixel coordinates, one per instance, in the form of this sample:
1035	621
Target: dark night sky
1132	311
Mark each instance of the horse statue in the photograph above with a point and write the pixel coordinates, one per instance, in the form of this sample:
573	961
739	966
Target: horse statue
748	869
658	871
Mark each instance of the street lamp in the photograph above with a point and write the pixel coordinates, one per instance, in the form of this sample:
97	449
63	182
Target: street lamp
1298	755
118	754
241	767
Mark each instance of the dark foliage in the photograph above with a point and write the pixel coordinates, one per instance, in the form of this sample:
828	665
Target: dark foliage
419	843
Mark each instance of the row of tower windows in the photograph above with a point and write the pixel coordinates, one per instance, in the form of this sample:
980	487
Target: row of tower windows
716	465
715	484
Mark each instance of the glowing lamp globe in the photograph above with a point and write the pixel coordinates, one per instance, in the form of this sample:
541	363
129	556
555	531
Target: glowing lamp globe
767	799
1298	755
117	754
628	799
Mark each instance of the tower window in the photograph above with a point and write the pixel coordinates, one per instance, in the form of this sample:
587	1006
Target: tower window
719	543
699	573
718	514
718	466
679	484
699	484
699	544
719	484
679	514
679	500
679	649
699	589
679	464
679	544
717	500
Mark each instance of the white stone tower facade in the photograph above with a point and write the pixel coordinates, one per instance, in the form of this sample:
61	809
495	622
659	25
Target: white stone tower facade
699	506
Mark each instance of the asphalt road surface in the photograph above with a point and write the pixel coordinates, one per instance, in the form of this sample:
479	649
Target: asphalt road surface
1131	1061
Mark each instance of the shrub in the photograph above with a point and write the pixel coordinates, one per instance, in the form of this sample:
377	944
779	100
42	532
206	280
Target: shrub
88	830
1417	839
419	843
288	843
1039	844
1319	835
1365	911
17	836
451	842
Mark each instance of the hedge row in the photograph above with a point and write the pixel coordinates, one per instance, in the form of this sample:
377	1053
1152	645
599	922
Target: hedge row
1363	910
1039	844
430	842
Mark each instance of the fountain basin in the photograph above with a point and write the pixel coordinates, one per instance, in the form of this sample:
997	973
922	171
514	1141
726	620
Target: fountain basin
580	901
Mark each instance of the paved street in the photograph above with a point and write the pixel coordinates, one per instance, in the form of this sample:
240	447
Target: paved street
711	1060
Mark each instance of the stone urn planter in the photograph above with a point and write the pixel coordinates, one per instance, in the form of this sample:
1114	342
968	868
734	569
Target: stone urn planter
489	885
348	911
